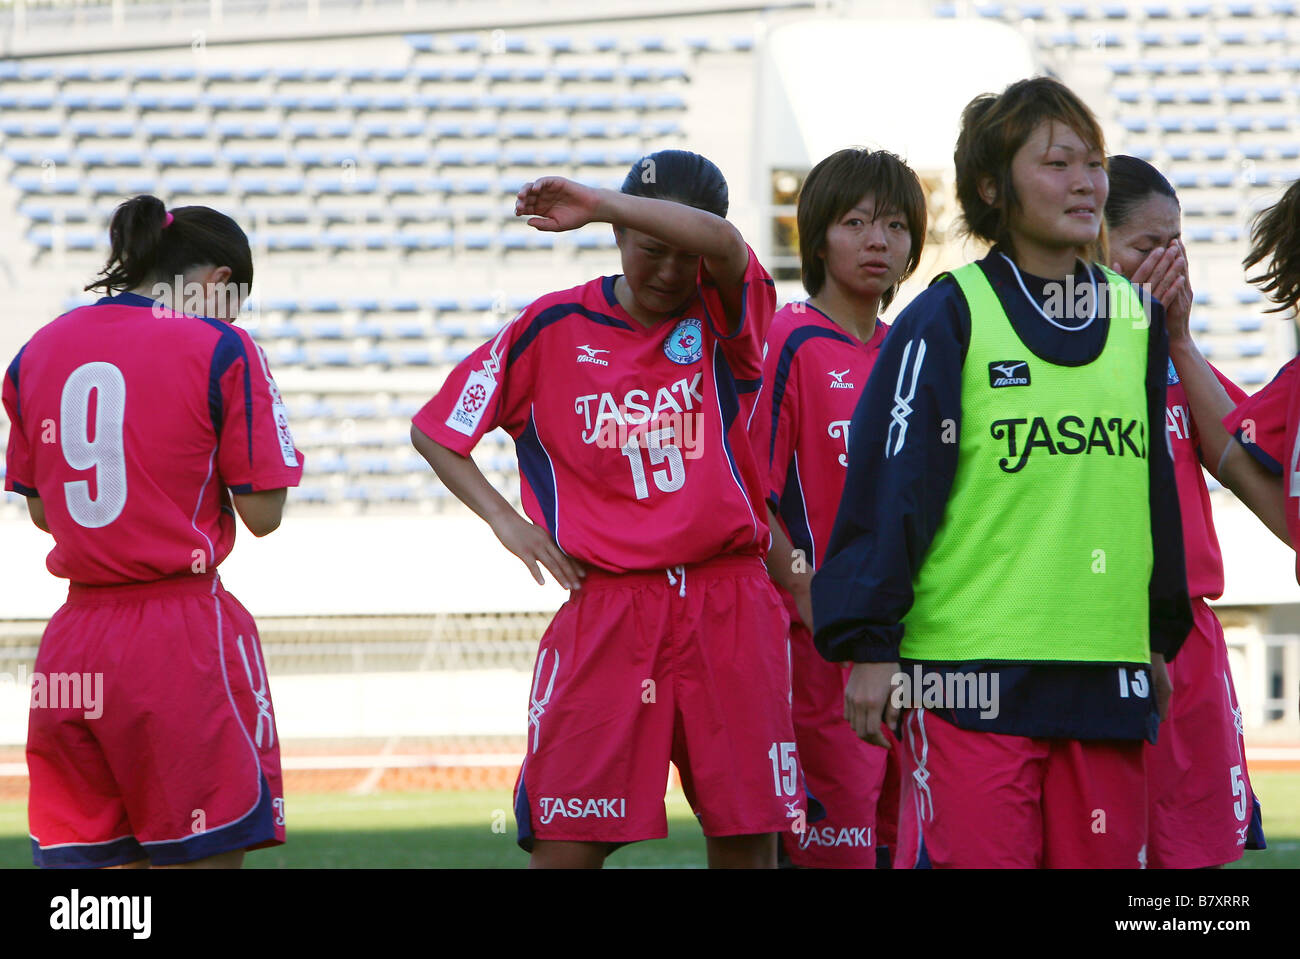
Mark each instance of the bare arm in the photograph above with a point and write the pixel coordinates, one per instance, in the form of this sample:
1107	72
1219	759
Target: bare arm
529	542
1255	486
262	511
554	204
790	571
1165	275
36	509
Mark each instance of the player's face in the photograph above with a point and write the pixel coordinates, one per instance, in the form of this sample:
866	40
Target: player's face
1155	222
866	249
1061	187
662	278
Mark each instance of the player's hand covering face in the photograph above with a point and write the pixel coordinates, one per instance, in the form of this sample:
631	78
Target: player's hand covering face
555	204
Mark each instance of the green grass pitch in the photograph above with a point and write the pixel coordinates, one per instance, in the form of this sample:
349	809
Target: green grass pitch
477	829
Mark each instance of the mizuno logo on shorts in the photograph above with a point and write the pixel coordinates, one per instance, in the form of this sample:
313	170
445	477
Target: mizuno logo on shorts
577	808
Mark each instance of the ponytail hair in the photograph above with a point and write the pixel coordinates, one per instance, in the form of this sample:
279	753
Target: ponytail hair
681	176
1275	233
150	244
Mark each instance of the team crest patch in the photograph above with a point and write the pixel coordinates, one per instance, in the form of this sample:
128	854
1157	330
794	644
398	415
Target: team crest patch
1173	373
685	344
472	403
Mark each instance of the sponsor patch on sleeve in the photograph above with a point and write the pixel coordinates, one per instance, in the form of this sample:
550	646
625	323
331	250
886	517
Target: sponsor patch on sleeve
281	415
468	411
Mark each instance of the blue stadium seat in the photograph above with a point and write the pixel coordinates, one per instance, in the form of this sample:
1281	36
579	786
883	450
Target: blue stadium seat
1248	349
290	356
559	44
1249	295
742	44
417	357
465	42
702	44
1127	96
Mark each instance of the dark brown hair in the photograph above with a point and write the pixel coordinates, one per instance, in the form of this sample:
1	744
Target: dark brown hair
142	250
993	128
835	185
1275	234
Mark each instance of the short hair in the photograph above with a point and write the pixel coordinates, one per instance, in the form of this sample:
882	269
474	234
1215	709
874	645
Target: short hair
993	128
835	185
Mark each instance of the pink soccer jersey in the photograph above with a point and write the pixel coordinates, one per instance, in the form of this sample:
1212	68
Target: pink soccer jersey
1201	545
631	441
132	449
813	374
1266	424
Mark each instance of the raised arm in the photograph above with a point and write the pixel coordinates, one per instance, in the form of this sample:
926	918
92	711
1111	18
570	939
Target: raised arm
556	204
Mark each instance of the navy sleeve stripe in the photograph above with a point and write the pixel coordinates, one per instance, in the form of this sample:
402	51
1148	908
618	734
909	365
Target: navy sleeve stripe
1257	451
749	386
229	348
554	314
792	343
539	472
24	490
13	378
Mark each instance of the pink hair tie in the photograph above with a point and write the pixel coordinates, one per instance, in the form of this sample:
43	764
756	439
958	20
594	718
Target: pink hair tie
167	221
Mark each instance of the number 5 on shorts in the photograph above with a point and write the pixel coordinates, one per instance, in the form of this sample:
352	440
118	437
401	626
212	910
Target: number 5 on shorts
784	768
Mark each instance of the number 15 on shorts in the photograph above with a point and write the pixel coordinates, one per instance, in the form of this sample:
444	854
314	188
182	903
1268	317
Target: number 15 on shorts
785	768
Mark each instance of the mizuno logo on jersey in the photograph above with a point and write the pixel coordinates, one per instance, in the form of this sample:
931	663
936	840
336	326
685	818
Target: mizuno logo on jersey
603	412
1071	436
838	378
588	355
1009	373
553	806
